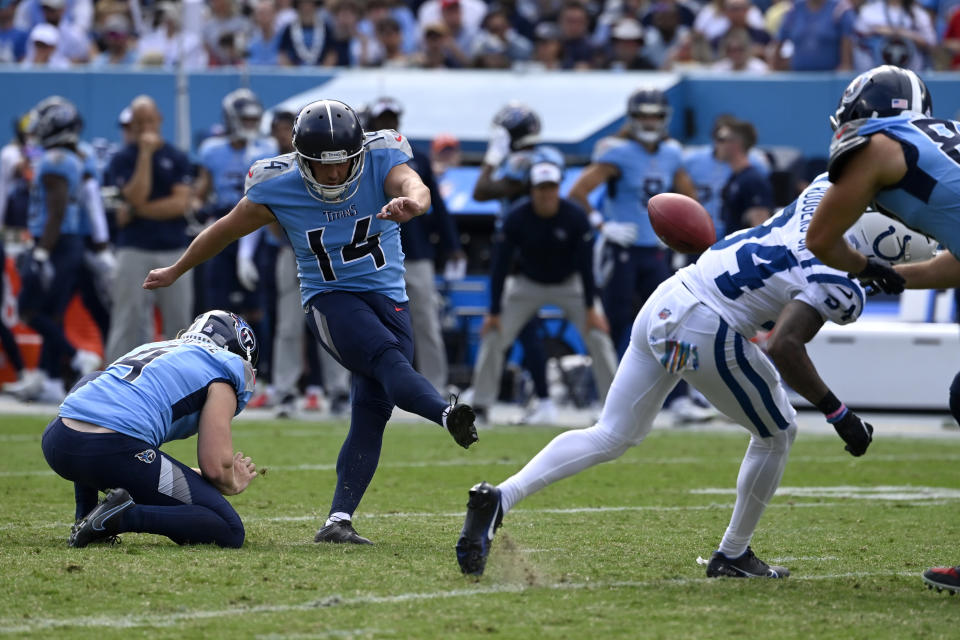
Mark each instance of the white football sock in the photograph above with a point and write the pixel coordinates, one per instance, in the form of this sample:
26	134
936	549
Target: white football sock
339	516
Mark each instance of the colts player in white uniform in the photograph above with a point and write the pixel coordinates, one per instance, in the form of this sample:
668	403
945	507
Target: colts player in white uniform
697	327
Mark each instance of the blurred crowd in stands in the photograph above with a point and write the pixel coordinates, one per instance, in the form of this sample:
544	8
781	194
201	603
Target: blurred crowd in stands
726	35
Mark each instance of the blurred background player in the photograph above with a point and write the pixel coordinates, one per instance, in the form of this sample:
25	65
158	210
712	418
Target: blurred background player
14	196
512	150
153	178
351	277
889	150
551	241
111	426
747	197
420	238
697	326
50	271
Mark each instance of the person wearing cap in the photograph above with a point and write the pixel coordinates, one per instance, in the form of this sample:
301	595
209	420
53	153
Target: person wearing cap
444	153
547	47
549	241
73	44
13	40
117	38
625	50
42	48
430	354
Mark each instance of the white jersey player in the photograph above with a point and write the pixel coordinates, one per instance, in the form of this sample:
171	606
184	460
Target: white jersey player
697	327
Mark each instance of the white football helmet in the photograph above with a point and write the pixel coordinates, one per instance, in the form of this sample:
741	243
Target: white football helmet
877	236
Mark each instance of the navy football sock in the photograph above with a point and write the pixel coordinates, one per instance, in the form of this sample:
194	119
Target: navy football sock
358	457
184	524
406	388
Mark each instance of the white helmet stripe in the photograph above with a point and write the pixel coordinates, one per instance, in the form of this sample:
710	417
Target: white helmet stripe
330	119
916	95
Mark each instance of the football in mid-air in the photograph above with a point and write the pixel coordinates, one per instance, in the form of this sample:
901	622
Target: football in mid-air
681	222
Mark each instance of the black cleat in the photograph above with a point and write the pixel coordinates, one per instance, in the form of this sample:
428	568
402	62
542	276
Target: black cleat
746	566
943	578
484	517
101	525
340	532
460	423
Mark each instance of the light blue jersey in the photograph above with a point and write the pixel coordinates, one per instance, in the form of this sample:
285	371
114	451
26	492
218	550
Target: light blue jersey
156	392
91	169
65	163
928	197
339	246
709	176
228	166
642	175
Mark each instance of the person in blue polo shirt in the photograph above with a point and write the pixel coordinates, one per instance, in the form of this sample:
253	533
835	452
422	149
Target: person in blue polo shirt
154	179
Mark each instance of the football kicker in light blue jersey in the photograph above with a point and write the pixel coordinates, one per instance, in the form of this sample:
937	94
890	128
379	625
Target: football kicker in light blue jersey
928	197
70	166
156	392
642	175
748	277
339	246
228	166
710	175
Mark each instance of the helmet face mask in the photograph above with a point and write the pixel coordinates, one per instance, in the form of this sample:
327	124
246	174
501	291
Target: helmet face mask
877	236
242	113
329	132
648	115
882	92
227	331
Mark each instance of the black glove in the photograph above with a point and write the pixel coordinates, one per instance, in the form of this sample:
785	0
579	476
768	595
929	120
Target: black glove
878	273
855	432
460	423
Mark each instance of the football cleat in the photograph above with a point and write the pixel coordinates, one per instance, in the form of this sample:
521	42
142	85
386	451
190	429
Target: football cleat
484	517
747	565
340	532
941	578
459	419
102	523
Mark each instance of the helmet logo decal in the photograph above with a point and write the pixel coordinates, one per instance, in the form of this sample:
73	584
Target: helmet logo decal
899	103
246	337
334	156
854	88
885	234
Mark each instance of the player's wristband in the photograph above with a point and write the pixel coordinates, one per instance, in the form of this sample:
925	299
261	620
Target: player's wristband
40	254
831	408
595	218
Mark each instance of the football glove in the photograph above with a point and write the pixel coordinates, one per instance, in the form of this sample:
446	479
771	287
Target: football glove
880	275
247	273
498	147
855	432
35	269
621	233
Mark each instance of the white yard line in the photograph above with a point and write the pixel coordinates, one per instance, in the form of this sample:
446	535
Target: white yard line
168	620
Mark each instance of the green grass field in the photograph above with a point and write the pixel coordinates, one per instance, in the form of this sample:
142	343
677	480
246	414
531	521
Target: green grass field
610	553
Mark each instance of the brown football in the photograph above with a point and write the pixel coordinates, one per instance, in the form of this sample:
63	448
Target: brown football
681	222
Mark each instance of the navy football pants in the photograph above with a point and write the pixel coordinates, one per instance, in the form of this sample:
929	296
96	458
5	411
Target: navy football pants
172	499
370	335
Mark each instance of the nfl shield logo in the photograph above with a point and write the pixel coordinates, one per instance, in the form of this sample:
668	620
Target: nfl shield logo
664	314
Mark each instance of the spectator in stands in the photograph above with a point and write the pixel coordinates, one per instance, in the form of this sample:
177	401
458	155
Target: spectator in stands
422	238
815	35
547	47
519	22
265	38
665	35
897	32
574	23
118	40
737	12
736	51
496	28
390	41
73	43
30	13
167	43
626	47
747	198
346	42
440	50
951	40
551	242
712	21
13	41
303	40
154	180
225	32
462	17
42	48
613	12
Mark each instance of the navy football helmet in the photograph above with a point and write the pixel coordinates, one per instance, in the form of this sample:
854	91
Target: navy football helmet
330	132
55	122
521	122
242	112
227	331
882	92
647	104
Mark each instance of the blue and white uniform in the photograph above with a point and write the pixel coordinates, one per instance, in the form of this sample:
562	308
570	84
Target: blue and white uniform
156	392
928	197
228	167
342	246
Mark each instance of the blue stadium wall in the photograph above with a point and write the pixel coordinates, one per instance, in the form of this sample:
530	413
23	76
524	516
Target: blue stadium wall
577	108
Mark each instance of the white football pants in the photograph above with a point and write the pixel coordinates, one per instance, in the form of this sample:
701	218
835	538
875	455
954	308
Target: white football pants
675	336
